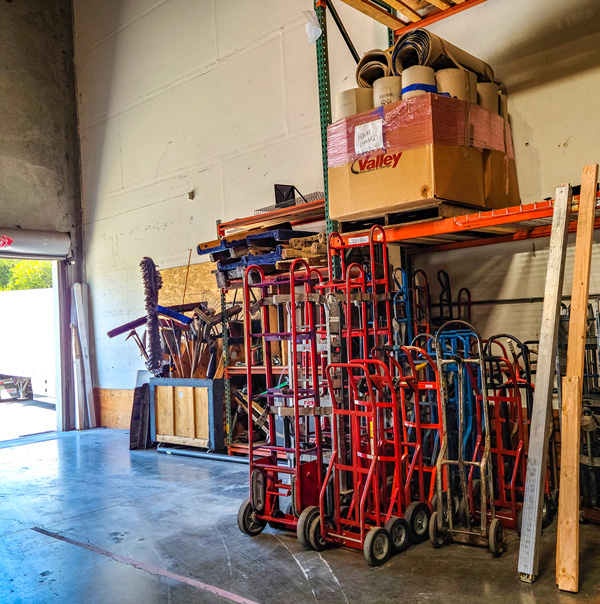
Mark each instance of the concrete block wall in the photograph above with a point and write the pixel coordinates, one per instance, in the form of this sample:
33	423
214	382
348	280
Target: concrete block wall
219	97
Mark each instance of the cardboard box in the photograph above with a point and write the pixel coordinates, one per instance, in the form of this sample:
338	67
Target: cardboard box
427	148
381	183
501	189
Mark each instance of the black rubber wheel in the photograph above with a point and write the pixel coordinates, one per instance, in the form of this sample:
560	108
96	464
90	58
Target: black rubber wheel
477	494
548	511
455	505
417	517
314	534
276	525
247	521
463	513
436	537
519	522
294	504
377	546
307	516
399	533
496	537
258	482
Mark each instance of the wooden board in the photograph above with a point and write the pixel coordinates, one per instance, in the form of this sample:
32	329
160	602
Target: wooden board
201	406
182	415
567	551
537	461
114	407
165	421
376	12
80	294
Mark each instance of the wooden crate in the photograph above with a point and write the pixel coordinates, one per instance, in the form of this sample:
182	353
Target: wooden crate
187	412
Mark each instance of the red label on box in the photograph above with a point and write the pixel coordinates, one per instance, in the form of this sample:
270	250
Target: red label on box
5	241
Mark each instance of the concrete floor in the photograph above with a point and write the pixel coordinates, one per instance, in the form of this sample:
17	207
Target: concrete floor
21	418
129	527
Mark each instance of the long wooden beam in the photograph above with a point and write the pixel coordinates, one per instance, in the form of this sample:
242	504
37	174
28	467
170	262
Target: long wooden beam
567	550
537	459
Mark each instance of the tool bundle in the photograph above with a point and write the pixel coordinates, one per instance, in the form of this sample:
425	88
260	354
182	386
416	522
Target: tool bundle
174	344
379	431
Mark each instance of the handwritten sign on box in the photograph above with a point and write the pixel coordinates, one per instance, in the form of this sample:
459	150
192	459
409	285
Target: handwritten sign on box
368	137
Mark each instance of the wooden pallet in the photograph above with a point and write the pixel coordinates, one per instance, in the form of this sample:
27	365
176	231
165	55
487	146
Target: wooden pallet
418	211
409	14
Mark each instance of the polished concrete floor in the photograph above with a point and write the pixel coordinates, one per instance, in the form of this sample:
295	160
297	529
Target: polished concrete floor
83	520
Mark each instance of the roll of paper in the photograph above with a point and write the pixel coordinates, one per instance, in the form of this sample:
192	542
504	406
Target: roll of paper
387	90
419	47
353	101
487	96
417	80
458	83
374	65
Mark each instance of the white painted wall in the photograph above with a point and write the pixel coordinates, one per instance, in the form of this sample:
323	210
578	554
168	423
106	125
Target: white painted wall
220	97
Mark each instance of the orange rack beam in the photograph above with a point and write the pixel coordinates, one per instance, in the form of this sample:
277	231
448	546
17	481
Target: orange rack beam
481	228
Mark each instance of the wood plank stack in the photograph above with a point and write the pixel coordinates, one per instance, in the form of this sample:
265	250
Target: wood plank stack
274	250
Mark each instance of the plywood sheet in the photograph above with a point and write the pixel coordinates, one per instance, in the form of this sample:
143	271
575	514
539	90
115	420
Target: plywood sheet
184	411
163	401
201	408
201	285
114	406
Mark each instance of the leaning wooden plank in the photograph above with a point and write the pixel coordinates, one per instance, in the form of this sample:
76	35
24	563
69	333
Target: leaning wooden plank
537	460
375	12
81	309
78	380
567	550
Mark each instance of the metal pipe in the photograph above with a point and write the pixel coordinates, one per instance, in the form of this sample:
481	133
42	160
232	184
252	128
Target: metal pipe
536	300
201	454
343	31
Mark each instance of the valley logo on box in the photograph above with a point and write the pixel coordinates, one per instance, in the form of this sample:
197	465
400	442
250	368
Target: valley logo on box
366	164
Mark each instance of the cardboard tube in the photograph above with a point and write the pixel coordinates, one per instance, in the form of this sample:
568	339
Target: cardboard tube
374	65
420	47
503	104
353	101
417	80
458	83
487	96
387	90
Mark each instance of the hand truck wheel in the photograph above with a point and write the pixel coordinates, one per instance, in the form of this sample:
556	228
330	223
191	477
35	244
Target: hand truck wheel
377	546
258	488
307	516
417	517
496	537
314	534
548	511
463	512
277	525
399	534
436	537
247	521
455	505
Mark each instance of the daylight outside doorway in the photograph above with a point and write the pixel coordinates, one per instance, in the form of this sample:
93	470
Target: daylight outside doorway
27	348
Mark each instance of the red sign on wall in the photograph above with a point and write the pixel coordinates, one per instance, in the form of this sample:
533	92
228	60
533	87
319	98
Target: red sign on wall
5	241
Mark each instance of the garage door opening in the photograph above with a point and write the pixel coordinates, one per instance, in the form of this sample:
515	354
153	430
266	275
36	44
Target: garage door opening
28	336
